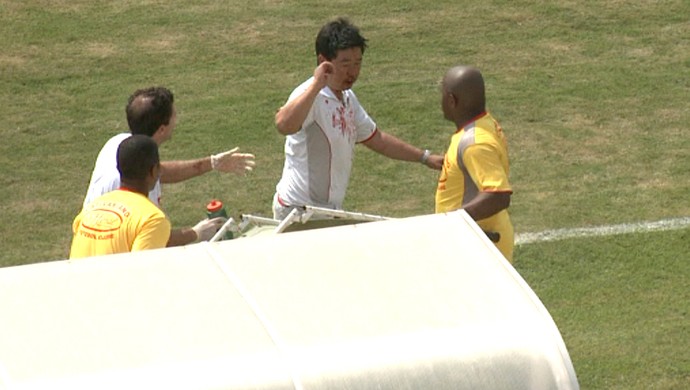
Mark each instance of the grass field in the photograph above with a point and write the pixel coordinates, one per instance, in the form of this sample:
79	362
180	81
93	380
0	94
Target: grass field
593	96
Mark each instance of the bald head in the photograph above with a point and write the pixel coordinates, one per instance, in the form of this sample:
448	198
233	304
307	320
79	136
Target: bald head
464	87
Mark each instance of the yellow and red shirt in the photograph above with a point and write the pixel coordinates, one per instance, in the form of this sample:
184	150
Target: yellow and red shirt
477	161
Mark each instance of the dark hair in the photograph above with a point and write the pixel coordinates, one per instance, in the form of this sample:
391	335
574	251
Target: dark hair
136	156
337	35
148	109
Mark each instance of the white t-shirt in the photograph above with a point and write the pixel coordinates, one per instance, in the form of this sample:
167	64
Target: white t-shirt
318	158
105	176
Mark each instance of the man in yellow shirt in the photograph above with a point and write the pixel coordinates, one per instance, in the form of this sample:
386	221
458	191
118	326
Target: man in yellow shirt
124	220
476	167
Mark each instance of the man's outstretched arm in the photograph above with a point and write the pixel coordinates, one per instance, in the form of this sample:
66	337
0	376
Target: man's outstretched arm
395	148
229	162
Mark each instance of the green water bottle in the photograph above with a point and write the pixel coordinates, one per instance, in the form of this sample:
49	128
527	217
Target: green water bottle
216	209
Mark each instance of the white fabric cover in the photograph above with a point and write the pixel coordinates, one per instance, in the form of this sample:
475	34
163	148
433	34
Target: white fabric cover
378	305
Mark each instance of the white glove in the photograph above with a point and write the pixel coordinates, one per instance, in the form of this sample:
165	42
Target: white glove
231	161
206	228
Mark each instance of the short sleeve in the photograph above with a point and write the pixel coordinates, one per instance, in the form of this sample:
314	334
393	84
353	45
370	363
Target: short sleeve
153	235
484	166
296	93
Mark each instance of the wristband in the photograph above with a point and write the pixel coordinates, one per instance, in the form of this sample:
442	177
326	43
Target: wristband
425	156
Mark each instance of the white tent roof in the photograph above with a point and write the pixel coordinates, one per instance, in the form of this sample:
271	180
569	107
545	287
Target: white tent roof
423	302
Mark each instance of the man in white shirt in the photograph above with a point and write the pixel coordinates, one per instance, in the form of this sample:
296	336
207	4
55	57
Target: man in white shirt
323	121
151	112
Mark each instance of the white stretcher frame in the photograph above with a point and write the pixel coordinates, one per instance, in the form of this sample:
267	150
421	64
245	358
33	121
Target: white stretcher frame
297	215
302	215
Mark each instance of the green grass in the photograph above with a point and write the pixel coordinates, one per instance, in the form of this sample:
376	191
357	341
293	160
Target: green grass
620	303
593	96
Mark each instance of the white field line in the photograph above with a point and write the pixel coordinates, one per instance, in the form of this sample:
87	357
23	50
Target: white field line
610	230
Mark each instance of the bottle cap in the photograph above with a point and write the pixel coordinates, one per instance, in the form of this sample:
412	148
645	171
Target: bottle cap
214	205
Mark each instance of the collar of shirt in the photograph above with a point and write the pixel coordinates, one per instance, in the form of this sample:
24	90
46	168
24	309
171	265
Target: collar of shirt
476	118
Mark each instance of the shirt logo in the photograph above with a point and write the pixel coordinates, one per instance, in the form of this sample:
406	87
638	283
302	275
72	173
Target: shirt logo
101	220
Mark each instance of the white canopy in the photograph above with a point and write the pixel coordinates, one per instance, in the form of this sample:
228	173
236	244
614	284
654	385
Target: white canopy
417	303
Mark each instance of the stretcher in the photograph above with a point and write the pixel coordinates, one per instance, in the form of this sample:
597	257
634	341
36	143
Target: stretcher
301	218
425	302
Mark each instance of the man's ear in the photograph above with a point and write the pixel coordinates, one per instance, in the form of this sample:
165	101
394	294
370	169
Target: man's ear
454	102
161	130
159	135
